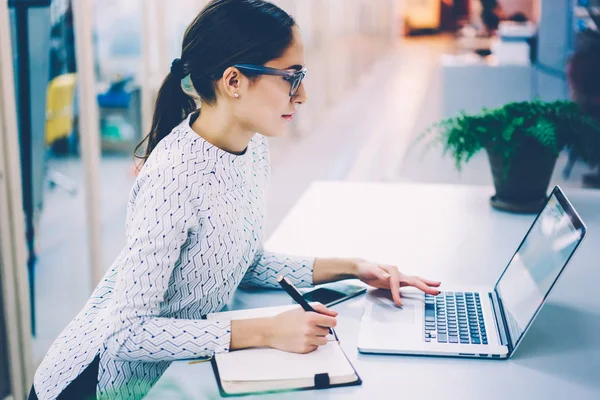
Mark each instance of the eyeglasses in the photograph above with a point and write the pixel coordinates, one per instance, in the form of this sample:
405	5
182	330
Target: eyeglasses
293	77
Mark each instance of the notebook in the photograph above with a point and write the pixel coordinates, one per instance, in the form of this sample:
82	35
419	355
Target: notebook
237	371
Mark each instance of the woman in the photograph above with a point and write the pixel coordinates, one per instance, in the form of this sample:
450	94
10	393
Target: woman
195	217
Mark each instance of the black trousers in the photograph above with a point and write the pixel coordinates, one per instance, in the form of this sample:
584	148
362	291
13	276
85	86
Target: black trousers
82	388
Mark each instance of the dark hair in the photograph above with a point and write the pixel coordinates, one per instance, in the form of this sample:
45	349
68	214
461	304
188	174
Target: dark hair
226	32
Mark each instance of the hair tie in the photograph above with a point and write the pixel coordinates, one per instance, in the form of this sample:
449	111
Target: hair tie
177	69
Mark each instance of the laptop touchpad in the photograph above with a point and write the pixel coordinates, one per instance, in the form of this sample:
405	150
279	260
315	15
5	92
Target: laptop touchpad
386	312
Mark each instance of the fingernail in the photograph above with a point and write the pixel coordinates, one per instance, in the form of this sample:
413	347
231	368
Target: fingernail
386	275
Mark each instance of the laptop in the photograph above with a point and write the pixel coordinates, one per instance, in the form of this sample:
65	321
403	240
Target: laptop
479	322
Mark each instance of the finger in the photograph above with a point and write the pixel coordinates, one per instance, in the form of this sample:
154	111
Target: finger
320	331
323	320
422	286
319	341
383	274
429	282
395	285
320	308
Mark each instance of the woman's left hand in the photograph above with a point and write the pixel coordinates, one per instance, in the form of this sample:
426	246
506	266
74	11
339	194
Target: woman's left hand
383	276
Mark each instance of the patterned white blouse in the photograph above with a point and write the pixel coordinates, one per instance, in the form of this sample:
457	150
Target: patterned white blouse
194	233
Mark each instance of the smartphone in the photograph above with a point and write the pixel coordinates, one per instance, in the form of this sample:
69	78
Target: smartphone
333	293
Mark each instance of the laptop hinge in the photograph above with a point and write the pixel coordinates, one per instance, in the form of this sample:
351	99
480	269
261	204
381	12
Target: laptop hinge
501	326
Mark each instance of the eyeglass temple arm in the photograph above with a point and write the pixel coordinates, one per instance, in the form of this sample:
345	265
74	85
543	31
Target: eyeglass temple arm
256	68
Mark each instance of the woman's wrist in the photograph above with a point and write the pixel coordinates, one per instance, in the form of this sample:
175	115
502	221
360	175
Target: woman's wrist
353	267
246	333
334	269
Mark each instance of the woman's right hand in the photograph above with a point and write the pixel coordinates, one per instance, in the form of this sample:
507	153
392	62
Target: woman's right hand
298	331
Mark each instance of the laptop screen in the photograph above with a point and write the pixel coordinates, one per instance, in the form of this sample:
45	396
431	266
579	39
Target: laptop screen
539	260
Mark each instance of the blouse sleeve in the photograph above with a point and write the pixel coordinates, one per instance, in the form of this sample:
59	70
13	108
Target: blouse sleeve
267	266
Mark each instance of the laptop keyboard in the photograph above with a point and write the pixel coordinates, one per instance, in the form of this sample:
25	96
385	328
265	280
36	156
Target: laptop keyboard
454	317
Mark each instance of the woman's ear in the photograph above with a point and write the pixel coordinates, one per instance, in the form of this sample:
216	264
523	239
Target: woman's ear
233	83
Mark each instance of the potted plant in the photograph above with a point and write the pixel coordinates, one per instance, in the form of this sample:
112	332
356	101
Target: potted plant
523	141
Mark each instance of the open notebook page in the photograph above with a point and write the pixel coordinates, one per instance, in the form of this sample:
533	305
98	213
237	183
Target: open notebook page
262	364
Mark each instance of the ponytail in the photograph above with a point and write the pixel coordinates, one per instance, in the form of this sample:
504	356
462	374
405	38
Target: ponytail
172	106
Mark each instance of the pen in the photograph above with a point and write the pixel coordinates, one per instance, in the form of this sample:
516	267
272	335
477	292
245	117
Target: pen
295	294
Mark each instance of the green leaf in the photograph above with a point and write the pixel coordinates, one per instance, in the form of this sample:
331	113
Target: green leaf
555	125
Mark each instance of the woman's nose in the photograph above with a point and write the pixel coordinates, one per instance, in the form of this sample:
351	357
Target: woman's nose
301	96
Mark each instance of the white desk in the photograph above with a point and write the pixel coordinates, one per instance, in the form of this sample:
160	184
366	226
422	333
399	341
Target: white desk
452	234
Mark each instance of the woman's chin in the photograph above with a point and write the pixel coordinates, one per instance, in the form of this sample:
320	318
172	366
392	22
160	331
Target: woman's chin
276	132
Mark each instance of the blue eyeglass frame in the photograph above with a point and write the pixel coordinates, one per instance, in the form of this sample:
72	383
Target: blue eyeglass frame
295	78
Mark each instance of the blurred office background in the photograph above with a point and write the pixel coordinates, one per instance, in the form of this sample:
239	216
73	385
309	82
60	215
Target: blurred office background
381	72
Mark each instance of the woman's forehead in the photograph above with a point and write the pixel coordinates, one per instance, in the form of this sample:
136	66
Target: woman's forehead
293	57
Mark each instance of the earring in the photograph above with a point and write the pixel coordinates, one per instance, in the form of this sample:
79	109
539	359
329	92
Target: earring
236	95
